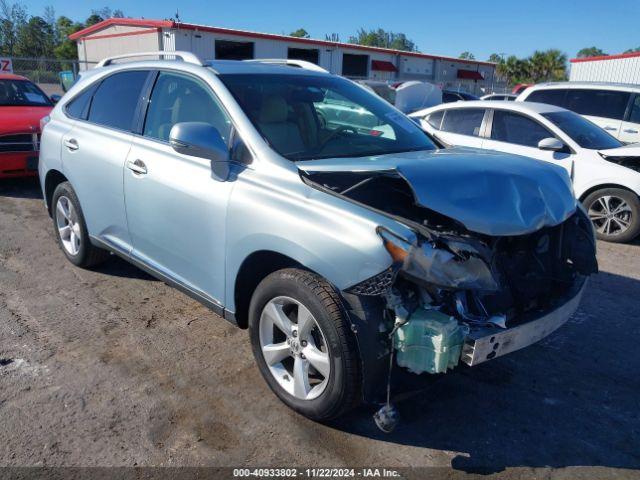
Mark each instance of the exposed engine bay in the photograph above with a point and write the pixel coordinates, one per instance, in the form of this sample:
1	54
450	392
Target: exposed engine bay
463	280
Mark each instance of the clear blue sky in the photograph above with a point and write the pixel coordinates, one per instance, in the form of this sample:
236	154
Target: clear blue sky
440	27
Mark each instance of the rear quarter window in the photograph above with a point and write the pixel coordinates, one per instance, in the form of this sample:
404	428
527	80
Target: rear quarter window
78	107
435	119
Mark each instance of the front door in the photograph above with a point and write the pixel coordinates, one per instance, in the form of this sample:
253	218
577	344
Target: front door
176	209
514	133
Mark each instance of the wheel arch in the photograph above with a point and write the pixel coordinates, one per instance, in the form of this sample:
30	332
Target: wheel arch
604	186
52	180
255	268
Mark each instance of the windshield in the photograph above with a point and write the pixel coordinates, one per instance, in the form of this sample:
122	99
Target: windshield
21	93
582	131
306	117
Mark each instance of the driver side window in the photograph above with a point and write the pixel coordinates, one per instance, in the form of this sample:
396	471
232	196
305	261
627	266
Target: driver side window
514	128
178	98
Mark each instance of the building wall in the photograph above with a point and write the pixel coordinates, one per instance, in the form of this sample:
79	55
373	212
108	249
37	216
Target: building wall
619	70
108	42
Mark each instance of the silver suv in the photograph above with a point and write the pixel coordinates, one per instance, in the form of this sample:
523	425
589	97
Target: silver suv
347	251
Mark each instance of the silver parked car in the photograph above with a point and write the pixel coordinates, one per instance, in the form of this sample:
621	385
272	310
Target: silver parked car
346	251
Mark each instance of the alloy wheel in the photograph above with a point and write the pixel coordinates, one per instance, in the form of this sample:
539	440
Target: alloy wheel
610	215
294	348
68	225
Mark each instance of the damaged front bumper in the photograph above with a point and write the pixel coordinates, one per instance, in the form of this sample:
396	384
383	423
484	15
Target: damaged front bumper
486	343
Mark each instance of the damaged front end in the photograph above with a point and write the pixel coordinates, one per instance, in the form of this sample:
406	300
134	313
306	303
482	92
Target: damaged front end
455	294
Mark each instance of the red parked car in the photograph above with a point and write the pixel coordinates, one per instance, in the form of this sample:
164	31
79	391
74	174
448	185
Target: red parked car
22	105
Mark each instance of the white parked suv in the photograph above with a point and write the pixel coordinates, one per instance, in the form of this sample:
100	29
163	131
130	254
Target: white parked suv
605	173
612	106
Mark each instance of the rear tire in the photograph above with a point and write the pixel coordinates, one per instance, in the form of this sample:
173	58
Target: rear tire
71	229
318	341
615	214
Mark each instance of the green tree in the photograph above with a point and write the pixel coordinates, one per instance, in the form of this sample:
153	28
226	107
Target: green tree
495	58
550	65
467	56
300	33
93	19
332	37
65	48
13	17
590	52
632	50
382	38
35	39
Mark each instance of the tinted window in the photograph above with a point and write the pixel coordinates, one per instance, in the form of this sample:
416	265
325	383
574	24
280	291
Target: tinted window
635	110
513	128
598	103
306	117
554	96
435	119
115	101
177	98
465	121
448	97
21	92
582	131
79	106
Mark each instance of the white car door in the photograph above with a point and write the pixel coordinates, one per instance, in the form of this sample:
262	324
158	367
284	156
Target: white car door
461	127
512	132
630	129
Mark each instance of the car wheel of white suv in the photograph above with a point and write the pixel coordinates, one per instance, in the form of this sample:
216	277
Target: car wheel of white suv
615	214
303	345
71	229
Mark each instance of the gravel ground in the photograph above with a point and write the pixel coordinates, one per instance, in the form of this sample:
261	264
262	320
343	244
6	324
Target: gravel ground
113	368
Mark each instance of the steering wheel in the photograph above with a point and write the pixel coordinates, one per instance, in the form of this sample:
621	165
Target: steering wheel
334	134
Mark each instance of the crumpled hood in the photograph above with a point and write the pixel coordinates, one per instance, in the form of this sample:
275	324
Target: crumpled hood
488	192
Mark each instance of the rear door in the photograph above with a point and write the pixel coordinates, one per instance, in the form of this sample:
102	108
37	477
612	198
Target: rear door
630	130
95	149
462	127
512	132
605	108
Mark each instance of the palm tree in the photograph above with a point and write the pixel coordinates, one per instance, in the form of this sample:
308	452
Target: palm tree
548	65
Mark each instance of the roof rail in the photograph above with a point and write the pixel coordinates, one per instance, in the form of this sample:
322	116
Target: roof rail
178	55
290	62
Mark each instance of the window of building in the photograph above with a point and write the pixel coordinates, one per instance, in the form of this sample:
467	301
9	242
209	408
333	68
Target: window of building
116	99
355	65
307	54
228	50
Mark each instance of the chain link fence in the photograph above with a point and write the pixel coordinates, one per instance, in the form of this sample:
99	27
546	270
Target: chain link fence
52	75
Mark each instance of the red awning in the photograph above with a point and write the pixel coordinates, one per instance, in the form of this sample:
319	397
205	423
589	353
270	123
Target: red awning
382	66
470	75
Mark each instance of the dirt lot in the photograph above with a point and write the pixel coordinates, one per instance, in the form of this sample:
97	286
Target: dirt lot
113	368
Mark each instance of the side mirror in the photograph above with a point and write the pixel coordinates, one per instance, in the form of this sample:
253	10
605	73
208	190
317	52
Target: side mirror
551	144
55	98
200	139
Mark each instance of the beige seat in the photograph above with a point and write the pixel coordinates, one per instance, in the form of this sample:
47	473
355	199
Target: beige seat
273	121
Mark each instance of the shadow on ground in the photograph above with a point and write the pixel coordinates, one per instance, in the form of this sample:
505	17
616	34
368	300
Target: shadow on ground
20	187
571	400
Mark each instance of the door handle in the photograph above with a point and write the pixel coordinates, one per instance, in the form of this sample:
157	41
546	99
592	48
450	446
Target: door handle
71	144
630	130
137	166
610	128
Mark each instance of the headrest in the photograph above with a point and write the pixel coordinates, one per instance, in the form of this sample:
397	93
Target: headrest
273	110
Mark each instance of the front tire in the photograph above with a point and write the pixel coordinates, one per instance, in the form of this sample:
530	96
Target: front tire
303	345
615	214
71	229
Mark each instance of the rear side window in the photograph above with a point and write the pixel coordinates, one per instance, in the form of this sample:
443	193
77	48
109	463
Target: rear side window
465	121
178	98
555	96
78	108
116	99
514	128
435	119
598	103
634	117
